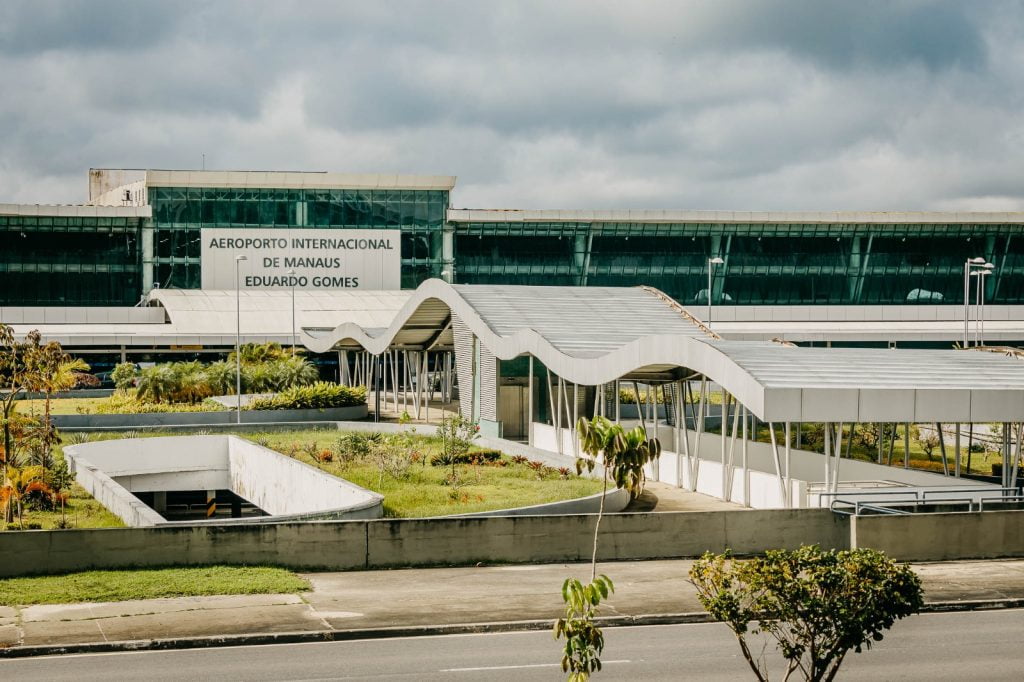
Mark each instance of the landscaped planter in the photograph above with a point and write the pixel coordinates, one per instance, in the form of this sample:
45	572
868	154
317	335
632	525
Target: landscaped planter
130	421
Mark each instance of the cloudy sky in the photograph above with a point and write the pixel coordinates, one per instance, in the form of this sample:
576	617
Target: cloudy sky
801	104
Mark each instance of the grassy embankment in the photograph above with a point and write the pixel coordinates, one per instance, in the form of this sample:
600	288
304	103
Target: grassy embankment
421	491
417	489
101	586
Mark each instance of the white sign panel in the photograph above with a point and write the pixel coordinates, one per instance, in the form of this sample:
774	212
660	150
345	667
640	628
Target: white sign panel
321	259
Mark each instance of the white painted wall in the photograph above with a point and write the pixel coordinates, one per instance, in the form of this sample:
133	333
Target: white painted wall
281	485
112	470
805	470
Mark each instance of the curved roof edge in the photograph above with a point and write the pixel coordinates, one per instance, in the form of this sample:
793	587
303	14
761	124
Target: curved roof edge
607	339
673	350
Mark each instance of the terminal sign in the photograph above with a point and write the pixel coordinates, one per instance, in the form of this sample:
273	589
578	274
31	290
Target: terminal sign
320	259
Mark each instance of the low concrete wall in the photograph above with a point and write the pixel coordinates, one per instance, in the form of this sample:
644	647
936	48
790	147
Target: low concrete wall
346	545
616	501
131	421
75	393
942	537
335	545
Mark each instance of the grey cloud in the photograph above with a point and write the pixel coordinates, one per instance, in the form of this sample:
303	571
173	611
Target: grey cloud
792	104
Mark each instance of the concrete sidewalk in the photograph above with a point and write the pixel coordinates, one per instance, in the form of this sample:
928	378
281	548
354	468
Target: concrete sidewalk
426	601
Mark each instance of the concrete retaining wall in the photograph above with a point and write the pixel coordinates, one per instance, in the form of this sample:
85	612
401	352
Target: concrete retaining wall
285	488
942	537
346	545
131	421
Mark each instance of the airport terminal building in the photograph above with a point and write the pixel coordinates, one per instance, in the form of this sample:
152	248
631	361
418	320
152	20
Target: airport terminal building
813	278
144	229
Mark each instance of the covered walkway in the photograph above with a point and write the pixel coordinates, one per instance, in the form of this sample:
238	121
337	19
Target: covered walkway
532	360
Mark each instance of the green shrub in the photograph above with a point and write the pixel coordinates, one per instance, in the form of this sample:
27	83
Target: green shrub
357	445
478	457
124	375
319	396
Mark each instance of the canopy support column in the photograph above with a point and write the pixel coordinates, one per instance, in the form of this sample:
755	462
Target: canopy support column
776	460
746	469
789	480
956	464
695	469
942	448
529	403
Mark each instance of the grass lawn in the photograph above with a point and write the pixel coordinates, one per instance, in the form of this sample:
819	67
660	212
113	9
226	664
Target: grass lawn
419	491
60	405
100	586
81	511
422	491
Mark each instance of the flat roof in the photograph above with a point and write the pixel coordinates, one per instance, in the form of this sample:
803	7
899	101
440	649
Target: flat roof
462	215
75	211
284	179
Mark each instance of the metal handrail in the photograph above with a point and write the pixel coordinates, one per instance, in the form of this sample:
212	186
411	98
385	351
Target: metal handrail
924	493
896	491
1003	498
883	510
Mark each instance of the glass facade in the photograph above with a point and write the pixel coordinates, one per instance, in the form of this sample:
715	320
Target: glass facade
765	263
69	261
179	213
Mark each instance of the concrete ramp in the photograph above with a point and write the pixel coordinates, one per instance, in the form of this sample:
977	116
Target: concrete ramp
113	471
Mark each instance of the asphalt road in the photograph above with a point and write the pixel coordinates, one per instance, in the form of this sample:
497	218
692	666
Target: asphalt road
961	646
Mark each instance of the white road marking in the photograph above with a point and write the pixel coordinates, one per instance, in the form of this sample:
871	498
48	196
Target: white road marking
515	667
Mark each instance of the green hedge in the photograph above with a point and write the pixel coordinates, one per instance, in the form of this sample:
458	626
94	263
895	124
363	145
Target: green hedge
319	396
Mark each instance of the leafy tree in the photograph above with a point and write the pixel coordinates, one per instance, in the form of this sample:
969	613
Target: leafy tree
928	441
52	371
623	455
817	605
16	375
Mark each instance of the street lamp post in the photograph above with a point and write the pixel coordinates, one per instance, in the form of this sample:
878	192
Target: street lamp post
711	263
238	341
979	299
291	278
976	262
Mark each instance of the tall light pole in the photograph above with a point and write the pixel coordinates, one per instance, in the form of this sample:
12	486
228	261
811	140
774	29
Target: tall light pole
976	262
979	326
238	340
711	263
291	278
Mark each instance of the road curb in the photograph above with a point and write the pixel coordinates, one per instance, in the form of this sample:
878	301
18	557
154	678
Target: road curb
306	637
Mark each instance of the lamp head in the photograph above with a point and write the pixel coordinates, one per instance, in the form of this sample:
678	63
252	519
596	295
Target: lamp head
977	259
716	261
241	257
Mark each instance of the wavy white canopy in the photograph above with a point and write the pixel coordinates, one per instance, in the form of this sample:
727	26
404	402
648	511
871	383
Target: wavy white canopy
593	335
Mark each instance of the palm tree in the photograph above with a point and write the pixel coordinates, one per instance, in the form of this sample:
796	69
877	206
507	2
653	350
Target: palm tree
53	371
19	484
220	376
155	383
